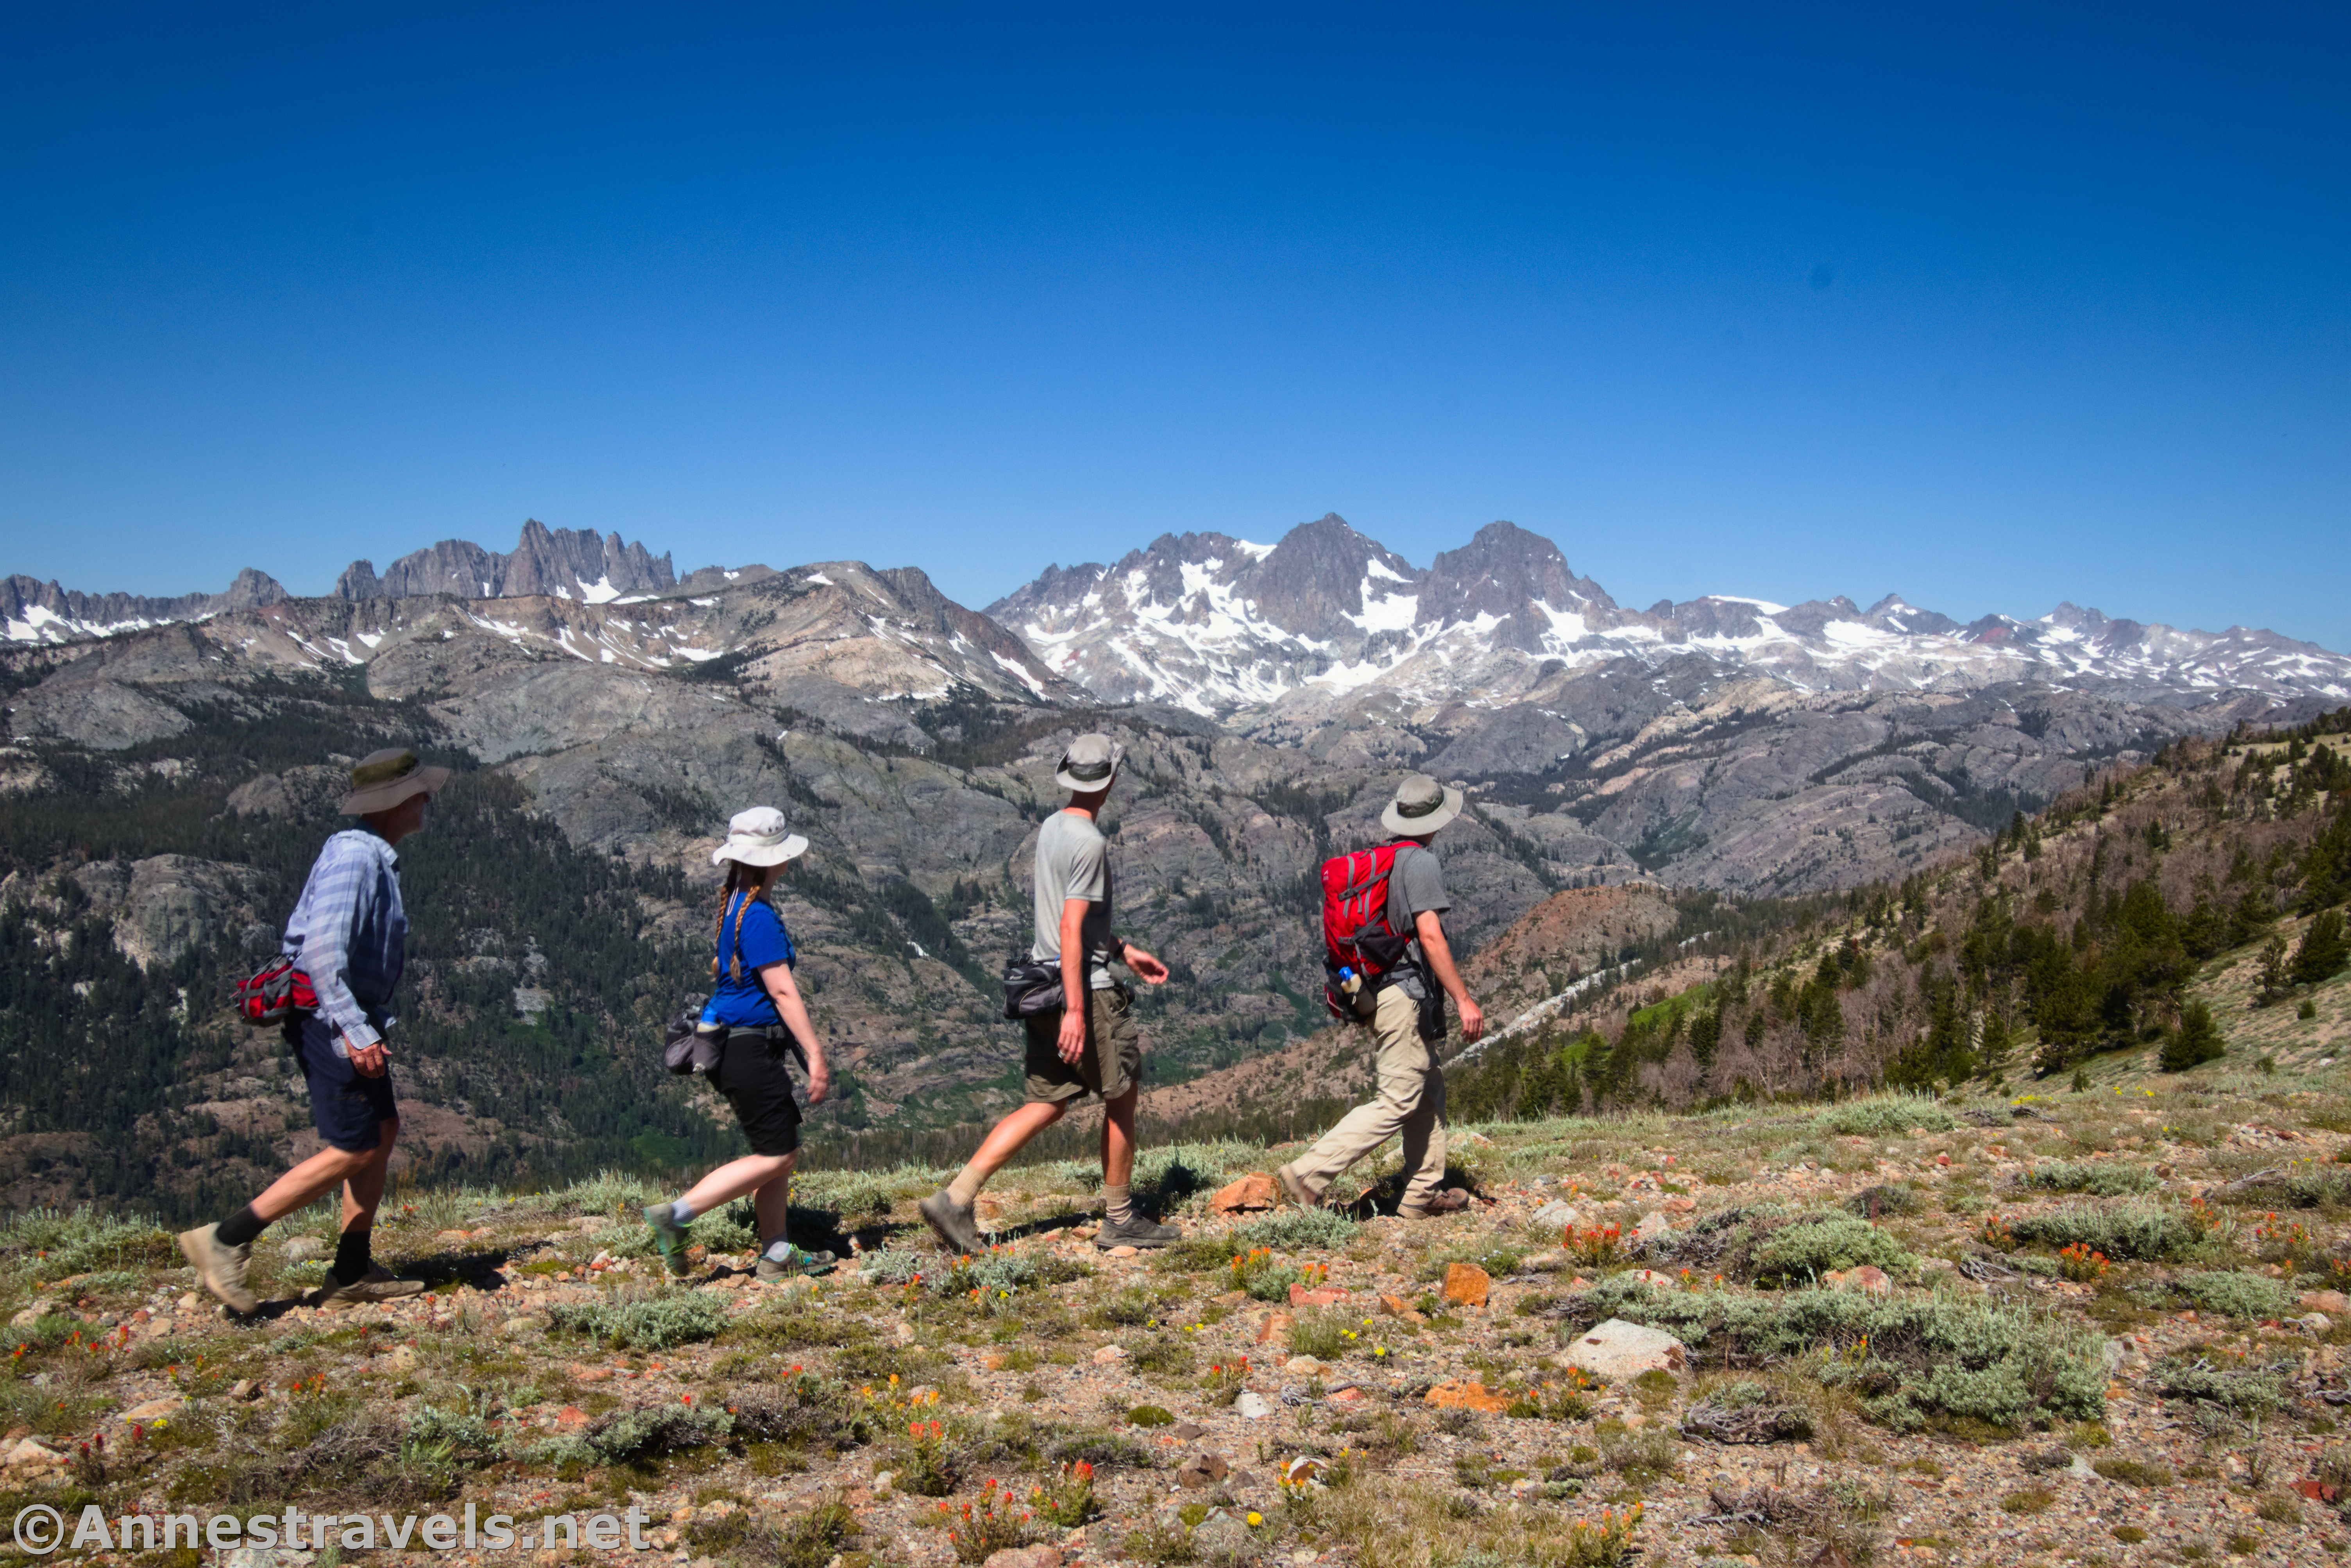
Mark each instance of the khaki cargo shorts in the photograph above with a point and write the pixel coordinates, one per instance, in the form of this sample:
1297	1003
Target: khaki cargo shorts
1112	1040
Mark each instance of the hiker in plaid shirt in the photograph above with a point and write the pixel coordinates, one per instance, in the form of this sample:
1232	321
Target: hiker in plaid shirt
349	934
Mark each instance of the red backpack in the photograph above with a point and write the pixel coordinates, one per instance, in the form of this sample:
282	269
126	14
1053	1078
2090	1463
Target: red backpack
1360	948
275	993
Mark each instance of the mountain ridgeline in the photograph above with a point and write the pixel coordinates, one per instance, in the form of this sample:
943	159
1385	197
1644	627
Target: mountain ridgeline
169	766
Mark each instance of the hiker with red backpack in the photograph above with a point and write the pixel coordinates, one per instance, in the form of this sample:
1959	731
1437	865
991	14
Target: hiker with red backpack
345	946
1387	965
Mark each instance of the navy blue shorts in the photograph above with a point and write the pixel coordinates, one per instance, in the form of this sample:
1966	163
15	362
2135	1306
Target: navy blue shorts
346	1107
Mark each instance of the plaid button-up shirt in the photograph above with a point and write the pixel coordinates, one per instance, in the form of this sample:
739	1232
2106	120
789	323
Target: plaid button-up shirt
350	935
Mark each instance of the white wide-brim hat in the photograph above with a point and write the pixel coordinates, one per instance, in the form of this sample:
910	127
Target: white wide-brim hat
758	837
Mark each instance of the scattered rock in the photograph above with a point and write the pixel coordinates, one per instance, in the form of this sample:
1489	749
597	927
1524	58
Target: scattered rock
1025	1557
1544	1262
1558	1213
400	1358
1110	1355
1320	1296
1653	1225
1465	1284
244	1390
1203	1471
1347	1396
451	1238
1304	1366
1398	1306
29	1453
1221	1538
1680	1204
527	1324
1868	1278
1467	1395
154	1409
1253	1193
1122	1251
1188	1430
32	1314
1251	1406
1617	1349
2335	1303
301	1249
1277	1326
571	1418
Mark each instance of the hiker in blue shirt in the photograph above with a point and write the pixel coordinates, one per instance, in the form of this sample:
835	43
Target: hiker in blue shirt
756	1012
349	934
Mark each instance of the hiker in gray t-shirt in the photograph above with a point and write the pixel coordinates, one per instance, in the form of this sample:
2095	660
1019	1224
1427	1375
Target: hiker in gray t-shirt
1089	1044
1408	1019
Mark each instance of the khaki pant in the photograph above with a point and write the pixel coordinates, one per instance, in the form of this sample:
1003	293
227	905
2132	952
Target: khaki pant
1411	1101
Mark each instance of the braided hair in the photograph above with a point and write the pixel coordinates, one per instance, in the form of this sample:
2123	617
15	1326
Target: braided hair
752	883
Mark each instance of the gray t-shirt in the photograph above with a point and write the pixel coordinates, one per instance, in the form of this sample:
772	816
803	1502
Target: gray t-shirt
1415	883
1073	861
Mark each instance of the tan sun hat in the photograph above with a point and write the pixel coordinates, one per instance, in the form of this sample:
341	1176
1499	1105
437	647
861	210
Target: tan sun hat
1091	763
758	837
1421	806
383	779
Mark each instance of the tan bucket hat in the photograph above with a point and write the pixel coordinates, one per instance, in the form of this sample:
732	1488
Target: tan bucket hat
383	779
758	837
1421	806
1091	763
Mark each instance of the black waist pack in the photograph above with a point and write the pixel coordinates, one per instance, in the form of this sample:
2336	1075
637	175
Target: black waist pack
687	1047
1031	986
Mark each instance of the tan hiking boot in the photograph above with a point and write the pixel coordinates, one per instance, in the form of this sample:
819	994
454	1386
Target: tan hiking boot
222	1268
1298	1190
954	1224
377	1284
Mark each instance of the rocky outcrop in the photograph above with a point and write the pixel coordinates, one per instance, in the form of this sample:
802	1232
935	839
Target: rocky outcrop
166	905
32	611
556	563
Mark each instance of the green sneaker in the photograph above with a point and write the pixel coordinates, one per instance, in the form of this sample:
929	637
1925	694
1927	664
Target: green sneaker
794	1264
670	1237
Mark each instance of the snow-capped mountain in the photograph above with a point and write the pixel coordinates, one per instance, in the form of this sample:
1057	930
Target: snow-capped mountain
1218	624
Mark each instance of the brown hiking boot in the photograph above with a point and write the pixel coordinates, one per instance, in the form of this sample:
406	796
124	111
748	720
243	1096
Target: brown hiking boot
222	1268
1300	1194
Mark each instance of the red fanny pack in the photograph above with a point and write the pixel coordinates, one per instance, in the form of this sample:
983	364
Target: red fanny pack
276	992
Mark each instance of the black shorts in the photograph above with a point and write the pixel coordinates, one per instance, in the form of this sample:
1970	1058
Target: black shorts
752	1075
347	1107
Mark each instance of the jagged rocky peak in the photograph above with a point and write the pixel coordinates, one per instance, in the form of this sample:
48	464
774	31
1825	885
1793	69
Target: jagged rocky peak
32	611
553	563
1516	586
1326	581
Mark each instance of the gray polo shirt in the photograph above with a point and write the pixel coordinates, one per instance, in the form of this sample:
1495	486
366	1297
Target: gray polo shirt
1073	861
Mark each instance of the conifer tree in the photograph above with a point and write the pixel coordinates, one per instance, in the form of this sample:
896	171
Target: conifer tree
2322	952
2197	1040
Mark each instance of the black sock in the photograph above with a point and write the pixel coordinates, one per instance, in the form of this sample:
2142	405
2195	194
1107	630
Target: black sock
241	1227
351	1259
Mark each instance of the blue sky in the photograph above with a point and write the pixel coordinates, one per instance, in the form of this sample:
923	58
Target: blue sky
1993	307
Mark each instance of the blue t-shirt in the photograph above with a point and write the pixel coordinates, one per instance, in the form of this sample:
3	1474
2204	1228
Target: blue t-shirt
744	1003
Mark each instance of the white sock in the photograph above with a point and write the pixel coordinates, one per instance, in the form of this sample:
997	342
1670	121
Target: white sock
1118	1205
680	1211
779	1250
965	1188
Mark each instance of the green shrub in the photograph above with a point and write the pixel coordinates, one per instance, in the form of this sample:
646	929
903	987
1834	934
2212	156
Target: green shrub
2299	1186
649	1323
1296	1231
1885	1115
1150	1416
1324	1335
2236	1388
651	1431
1947	1356
79	1240
997	1270
2140	1232
1800	1252
805	1410
2237	1295
2099	1178
1871	1202
1099	1448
